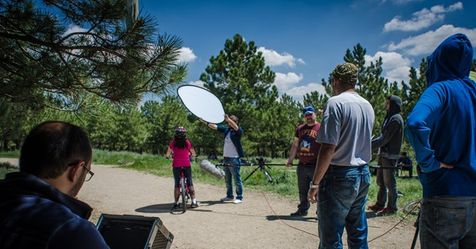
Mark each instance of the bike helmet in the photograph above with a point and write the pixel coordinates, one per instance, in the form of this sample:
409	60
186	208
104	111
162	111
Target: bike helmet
180	131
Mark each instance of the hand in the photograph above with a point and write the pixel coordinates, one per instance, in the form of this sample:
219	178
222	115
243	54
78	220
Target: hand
312	194
289	163
446	166
227	118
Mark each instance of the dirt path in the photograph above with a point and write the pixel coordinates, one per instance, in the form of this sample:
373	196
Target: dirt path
261	221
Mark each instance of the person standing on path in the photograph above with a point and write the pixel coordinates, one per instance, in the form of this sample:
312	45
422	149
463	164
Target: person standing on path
389	144
307	149
342	178
232	152
442	130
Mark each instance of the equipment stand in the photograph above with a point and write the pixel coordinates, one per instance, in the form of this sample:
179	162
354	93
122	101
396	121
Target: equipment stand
415	237
262	167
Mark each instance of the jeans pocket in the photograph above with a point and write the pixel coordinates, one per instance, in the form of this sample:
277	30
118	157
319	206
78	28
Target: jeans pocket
449	222
344	187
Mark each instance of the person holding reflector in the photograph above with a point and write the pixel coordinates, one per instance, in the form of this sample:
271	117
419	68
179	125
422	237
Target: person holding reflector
232	152
208	108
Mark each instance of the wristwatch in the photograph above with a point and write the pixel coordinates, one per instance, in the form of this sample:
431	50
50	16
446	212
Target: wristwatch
311	185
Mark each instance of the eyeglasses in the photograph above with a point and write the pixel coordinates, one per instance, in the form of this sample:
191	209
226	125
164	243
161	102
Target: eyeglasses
90	174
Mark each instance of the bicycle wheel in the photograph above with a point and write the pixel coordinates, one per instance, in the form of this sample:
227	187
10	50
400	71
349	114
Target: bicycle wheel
183	192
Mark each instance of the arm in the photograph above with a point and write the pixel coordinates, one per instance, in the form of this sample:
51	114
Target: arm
192	152
387	134
418	127
169	151
323	161
293	152
231	123
210	125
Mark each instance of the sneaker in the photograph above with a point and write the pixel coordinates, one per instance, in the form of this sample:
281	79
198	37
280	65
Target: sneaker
194	204
237	201
299	213
386	211
376	208
176	206
226	199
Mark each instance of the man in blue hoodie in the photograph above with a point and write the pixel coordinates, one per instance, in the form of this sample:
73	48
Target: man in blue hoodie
38	208
442	130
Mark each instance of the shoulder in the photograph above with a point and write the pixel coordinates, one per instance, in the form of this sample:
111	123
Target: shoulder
300	127
77	233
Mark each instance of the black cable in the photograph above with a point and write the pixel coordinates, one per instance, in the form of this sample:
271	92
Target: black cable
394	226
282	221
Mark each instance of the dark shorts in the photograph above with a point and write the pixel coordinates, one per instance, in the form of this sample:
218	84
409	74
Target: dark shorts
187	172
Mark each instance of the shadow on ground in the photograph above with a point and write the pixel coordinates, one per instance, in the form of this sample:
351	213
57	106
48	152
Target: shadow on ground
167	207
288	217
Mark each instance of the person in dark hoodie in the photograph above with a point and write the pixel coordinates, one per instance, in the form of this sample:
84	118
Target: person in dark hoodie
38	208
389	143
442	130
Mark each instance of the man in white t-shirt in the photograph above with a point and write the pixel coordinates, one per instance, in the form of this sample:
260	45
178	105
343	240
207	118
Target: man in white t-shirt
232	152
341	179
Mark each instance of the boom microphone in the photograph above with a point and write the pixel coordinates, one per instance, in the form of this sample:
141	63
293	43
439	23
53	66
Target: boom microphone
212	169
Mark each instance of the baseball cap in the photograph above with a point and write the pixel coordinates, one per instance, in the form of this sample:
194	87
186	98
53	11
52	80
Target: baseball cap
308	110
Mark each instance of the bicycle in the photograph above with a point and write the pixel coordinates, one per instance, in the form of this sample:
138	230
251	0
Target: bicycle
184	190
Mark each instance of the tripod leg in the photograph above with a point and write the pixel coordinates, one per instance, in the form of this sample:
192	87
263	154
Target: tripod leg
417	224
252	172
267	174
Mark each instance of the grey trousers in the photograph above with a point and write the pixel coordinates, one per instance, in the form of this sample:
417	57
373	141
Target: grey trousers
387	184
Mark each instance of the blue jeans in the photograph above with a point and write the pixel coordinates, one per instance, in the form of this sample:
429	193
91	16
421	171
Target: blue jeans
448	222
232	169
341	203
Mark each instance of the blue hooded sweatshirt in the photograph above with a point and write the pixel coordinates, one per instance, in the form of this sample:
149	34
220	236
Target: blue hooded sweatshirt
442	126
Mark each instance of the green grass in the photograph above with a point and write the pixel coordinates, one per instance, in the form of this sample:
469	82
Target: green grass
472	75
4	169
10	154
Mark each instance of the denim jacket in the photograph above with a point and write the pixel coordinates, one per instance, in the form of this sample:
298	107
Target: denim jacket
234	135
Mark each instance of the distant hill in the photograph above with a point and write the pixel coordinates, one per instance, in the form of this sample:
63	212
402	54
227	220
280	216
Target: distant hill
472	75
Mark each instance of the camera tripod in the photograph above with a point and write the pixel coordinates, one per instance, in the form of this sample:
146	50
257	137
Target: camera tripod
262	167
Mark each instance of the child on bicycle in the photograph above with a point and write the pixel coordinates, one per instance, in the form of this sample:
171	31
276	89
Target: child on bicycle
182	151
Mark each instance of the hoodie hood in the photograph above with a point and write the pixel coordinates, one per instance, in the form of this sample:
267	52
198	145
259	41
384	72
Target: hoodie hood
450	60
395	105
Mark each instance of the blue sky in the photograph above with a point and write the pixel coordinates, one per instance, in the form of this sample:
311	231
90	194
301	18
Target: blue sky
302	41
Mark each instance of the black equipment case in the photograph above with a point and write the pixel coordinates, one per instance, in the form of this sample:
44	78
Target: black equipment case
134	232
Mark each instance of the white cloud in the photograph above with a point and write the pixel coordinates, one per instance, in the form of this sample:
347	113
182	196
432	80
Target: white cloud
285	81
186	55
401	2
421	19
73	29
273	58
395	66
196	83
298	92
425	43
